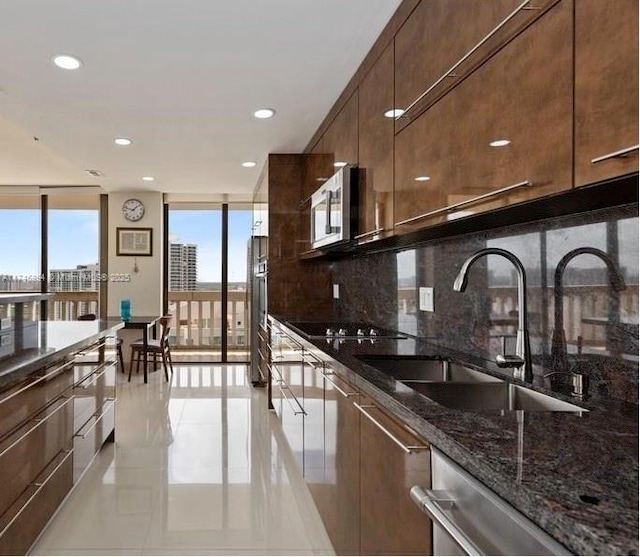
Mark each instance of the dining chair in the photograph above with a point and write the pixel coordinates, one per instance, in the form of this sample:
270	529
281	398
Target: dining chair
93	317
155	347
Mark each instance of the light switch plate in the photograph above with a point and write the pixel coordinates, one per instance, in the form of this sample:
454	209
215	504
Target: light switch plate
336	291
426	298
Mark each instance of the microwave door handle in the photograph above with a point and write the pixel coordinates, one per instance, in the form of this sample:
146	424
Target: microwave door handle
327	227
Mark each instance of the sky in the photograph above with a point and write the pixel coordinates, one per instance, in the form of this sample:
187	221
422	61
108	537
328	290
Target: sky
73	240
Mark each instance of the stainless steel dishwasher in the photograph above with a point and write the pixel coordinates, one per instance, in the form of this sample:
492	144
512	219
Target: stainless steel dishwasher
469	519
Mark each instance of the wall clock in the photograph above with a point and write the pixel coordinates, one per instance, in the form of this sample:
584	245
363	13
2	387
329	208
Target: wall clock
133	210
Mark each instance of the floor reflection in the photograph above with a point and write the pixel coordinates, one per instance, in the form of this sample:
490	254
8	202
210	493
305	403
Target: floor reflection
199	467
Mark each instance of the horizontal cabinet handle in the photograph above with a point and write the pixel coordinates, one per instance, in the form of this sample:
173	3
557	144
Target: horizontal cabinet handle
38	487
295	412
367	234
39	380
409	449
616	154
38	423
96	375
97	417
451	72
435	504
335	386
92	348
471	201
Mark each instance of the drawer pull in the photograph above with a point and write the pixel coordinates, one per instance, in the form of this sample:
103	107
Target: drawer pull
92	348
409	449
38	423
39	380
295	412
471	201
616	154
38	486
435	504
335	386
98	418
367	234
96	376
451	71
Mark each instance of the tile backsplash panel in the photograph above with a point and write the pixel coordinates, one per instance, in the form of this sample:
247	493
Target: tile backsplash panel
600	324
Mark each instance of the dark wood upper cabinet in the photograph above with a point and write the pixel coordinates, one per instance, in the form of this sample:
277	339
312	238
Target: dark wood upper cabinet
341	138
375	148
439	33
606	97
522	94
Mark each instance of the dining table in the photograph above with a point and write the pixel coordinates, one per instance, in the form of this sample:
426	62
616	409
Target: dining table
144	323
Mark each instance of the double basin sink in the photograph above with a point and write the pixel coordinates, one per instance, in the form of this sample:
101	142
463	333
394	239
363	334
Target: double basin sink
457	386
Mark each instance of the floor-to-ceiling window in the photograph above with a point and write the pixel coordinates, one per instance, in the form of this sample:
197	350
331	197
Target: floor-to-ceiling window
20	246
73	254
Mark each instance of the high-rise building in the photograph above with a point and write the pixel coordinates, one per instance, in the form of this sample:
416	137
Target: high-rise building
183	267
84	278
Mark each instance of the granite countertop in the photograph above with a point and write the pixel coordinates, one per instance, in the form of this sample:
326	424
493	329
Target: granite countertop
55	340
578	474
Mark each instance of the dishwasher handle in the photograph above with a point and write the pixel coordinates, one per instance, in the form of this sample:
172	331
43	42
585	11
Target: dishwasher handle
435	504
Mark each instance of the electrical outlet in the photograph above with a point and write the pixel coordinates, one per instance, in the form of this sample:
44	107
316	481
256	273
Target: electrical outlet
426	298
336	291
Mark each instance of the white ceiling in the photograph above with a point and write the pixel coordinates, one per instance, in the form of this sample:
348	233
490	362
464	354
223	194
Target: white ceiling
179	77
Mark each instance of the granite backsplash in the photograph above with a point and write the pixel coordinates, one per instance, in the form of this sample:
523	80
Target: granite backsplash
595	291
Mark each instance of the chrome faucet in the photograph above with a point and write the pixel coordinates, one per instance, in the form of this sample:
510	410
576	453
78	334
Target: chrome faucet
521	360
559	363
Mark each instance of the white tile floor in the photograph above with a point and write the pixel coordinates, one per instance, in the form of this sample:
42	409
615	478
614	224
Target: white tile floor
198	468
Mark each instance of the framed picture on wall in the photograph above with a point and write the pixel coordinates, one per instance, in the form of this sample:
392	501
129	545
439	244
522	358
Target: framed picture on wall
134	241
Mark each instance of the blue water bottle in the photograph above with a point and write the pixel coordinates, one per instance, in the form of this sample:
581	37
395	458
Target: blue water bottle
125	309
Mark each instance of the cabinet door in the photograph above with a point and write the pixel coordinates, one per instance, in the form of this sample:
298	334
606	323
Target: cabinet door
340	504
446	156
375	148
438	34
314	440
341	137
606	108
390	465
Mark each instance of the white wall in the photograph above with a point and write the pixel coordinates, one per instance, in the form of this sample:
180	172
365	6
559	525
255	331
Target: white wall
145	288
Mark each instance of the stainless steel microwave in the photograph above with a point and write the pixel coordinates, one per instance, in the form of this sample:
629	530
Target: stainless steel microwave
334	209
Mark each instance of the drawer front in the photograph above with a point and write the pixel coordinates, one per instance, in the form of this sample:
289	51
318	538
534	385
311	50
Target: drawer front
24	400
23	522
26	453
91	393
88	441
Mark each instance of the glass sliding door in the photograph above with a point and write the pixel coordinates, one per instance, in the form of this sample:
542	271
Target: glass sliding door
207	281
195	281
240	218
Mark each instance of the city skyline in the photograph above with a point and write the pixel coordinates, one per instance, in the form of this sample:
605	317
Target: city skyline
80	229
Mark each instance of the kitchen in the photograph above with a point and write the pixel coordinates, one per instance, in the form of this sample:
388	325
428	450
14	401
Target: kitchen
446	281
492	153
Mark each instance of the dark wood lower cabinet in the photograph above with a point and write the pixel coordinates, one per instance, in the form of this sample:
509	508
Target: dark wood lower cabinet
392	460
340	504
52	424
25	519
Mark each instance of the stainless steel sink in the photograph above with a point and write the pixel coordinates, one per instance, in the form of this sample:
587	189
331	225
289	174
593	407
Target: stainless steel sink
426	370
491	396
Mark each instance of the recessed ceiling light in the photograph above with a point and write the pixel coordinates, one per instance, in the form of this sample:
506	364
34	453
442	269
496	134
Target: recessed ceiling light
500	143
264	113
67	62
148	178
248	164
422	178
394	113
122	141
339	164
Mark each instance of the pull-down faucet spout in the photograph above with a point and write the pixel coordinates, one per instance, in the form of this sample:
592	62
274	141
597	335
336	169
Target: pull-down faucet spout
521	360
558	340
